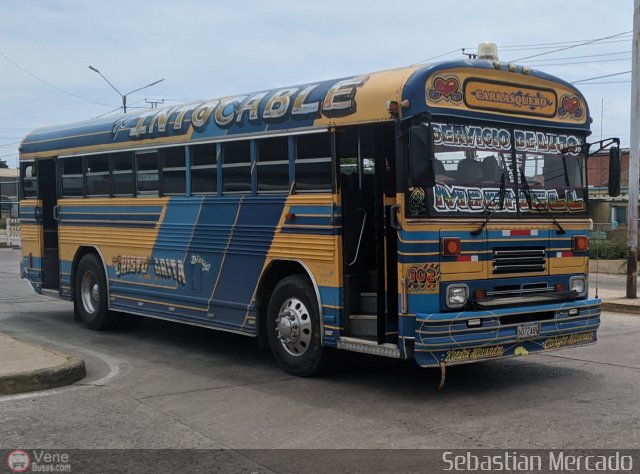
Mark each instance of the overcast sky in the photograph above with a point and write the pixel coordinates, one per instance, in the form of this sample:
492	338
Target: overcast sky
207	49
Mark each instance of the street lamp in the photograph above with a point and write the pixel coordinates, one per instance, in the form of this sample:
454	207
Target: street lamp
123	96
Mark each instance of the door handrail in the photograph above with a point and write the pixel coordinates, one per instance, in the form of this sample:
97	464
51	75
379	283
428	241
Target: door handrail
394	222
364	221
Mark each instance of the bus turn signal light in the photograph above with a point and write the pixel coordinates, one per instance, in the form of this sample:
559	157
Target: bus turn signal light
580	243
451	246
480	293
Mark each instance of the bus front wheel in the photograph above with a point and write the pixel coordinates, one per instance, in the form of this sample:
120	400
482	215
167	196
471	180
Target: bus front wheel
293	327
90	296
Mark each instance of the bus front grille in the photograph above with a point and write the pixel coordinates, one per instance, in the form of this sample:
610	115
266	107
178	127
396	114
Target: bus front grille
518	260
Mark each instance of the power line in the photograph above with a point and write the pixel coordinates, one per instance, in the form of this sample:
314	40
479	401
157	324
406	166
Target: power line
605	82
439	56
48	83
540	46
118	108
573	46
107	113
582	62
555	44
580	57
601	77
199	100
552	45
9	144
625	40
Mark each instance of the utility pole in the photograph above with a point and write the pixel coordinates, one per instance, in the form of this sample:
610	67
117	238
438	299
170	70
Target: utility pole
634	161
123	96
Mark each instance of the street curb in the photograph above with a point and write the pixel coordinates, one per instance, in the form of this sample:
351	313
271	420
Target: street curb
42	379
620	307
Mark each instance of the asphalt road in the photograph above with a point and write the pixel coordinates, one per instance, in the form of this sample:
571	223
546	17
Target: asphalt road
608	282
166	385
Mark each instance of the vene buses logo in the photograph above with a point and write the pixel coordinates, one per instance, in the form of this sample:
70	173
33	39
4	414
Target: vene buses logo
18	461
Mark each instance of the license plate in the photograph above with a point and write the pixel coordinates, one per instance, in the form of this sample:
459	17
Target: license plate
528	331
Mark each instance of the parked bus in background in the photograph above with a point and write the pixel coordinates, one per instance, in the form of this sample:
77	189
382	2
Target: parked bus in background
435	212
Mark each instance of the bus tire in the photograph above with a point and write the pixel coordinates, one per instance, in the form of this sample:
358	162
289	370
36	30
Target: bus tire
293	327
90	296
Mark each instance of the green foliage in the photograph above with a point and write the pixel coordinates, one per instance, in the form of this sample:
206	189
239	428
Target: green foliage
612	248
3	164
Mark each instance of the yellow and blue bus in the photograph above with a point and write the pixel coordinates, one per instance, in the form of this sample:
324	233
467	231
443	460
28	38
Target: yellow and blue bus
435	212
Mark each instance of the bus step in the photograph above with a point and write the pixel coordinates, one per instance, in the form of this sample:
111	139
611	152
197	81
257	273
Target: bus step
369	347
369	302
363	325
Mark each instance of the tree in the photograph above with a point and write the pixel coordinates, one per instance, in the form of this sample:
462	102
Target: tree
3	164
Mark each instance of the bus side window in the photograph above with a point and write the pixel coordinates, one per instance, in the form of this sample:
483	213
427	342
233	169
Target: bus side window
98	175
29	181
72	177
204	169
122	181
236	167
273	164
173	170
313	162
147	173
347	154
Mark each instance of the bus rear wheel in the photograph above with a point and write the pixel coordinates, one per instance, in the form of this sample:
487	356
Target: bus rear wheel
293	327
90	295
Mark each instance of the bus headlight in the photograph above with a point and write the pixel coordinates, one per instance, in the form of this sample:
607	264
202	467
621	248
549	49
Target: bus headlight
457	295
578	284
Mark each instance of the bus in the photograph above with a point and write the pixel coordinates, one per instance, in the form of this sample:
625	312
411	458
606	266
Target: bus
437	212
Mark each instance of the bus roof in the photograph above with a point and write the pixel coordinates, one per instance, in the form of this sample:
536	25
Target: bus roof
470	88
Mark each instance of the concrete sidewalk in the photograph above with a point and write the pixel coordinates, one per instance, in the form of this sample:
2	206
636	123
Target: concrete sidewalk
612	290
616	301
25	367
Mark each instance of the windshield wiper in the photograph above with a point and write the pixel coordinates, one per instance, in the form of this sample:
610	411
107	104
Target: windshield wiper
526	189
500	198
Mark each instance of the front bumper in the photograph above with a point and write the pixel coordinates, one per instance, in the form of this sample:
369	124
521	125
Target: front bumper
446	337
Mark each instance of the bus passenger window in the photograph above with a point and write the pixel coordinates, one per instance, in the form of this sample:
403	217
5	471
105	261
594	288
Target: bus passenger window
174	178
122	174
204	169
147	173
313	162
236	167
98	175
72	179
273	164
347	155
29	180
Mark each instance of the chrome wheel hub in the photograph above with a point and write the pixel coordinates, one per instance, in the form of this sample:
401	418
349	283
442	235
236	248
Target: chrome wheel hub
90	292
293	326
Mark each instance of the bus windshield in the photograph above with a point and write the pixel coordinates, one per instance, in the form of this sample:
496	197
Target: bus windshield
480	167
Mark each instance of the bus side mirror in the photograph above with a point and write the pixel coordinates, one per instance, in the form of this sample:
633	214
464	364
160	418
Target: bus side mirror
614	171
420	157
